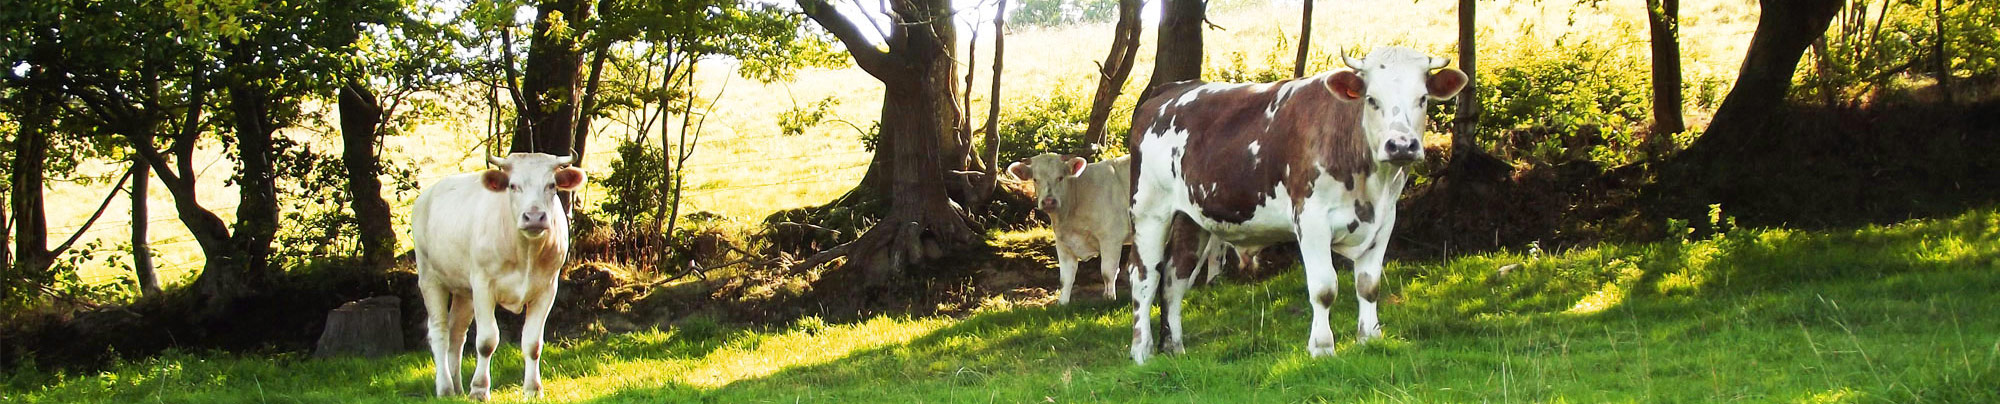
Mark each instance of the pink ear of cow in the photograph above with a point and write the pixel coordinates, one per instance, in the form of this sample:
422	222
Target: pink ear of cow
1346	85
495	180
569	178
1019	171
1076	165
1445	83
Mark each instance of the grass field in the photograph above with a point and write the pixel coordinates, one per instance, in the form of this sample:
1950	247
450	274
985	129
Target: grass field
1899	313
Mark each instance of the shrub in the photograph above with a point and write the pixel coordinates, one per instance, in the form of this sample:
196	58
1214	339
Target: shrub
1055	123
635	188
1546	104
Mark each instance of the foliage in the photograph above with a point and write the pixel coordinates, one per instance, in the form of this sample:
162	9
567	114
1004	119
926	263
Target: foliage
1867	50
1574	100
1058	13
1054	123
1880	313
318	220
638	185
795	121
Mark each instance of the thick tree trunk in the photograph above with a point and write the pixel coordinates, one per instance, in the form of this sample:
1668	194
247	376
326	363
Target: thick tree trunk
1180	50
1784	29
360	125
588	110
1305	40
1117	68
142	254
1664	19
1465	125
545	123
917	115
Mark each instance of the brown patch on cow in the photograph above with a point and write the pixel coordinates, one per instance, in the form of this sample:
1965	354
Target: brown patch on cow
535	352
487	346
1364	210
1365	284
481	384
1184	240
1325	297
1353	225
1311	129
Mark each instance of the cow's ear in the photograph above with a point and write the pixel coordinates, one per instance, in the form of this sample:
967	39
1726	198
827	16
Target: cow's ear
569	178
1020	171
495	180
1346	84
1076	165
1445	83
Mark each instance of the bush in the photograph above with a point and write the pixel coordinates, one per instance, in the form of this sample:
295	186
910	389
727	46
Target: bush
1550	104
636	183
1866	51
1054	123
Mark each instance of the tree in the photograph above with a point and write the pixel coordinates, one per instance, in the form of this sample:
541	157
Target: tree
1465	122
409	56
1784	29
916	123
1116	69
1305	40
1179	55
142	251
1663	16
546	106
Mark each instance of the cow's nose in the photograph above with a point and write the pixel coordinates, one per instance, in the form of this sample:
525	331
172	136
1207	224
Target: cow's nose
535	220
1404	149
1048	203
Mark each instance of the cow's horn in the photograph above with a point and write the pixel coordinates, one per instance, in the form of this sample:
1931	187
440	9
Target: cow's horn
497	161
1351	61
564	160
1439	63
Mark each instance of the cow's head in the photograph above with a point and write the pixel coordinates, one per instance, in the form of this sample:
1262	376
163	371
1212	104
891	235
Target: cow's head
1048	170
1395	83
531	181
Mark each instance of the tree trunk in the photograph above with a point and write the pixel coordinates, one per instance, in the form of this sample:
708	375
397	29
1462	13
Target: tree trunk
360	125
1784	29
1942	59
993	104
1180	50
588	110
917	114
1305	40
243	265
142	254
545	123
31	154
1664	19
1465	123
1117	68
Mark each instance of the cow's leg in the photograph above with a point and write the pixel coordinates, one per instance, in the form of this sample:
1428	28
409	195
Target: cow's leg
1183	247
1066	264
1108	260
489	338
1149	240
437	306
1322	282
1368	278
531	340
461	321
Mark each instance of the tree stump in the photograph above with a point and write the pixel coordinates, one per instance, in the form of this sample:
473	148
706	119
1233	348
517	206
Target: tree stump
369	327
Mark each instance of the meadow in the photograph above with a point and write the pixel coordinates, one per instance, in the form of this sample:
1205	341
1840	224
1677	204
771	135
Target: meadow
1894	313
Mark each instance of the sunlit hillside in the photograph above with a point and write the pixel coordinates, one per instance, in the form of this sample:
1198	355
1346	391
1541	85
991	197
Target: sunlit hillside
744	169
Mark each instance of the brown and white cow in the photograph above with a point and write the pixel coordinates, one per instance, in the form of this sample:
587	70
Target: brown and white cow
485	239
1319	160
1087	208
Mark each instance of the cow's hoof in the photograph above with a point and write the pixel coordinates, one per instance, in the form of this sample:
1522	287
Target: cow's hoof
1172	346
479	395
1320	348
1142	349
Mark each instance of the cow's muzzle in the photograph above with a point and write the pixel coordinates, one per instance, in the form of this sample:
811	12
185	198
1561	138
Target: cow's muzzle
534	224
1048	204
1404	149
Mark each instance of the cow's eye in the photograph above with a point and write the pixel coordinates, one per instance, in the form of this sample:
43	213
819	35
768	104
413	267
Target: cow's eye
1372	104
552	186
514	187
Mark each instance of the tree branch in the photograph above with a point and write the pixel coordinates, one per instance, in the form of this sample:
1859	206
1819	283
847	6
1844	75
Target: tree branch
60	248
866	55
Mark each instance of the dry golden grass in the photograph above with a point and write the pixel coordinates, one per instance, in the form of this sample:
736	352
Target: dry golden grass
744	169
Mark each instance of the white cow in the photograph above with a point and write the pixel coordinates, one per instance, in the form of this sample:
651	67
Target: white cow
492	238
1088	207
1318	160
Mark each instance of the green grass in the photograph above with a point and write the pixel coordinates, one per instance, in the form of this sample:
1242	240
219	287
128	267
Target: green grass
1897	313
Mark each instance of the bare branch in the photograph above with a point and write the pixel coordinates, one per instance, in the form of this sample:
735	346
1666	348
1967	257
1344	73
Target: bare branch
865	54
60	248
